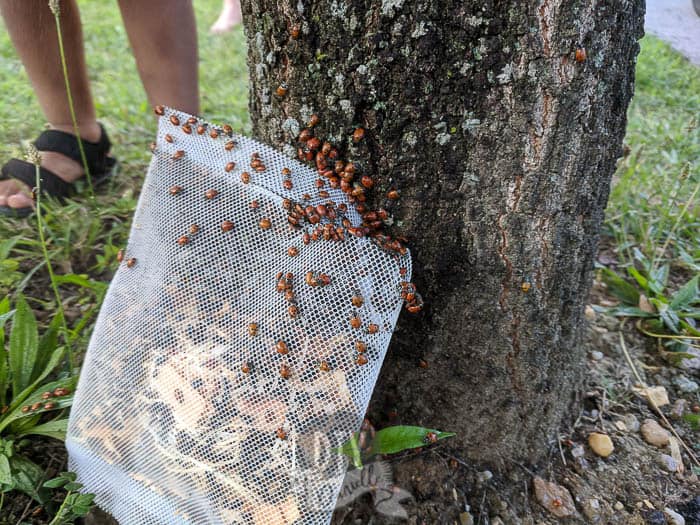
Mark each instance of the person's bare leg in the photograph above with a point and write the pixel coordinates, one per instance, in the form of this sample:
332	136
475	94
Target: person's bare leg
32	29
229	18
163	37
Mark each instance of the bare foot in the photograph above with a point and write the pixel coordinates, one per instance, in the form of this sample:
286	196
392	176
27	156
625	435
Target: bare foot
16	194
229	18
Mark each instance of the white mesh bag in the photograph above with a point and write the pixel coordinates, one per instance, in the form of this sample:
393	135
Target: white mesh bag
216	385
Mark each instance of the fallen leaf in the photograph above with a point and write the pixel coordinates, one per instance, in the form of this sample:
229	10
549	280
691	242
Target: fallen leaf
676	453
656	395
645	305
555	498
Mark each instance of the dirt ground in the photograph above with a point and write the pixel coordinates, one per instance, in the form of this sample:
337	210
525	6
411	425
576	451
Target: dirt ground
631	486
634	485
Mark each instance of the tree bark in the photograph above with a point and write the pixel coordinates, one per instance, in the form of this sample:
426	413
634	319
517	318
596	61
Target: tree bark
502	139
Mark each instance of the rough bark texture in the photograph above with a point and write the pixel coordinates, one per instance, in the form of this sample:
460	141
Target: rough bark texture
503	146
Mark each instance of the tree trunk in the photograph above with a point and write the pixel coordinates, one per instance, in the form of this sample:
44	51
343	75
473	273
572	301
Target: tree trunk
500	123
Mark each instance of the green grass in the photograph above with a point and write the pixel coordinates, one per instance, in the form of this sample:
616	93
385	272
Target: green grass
77	245
657	178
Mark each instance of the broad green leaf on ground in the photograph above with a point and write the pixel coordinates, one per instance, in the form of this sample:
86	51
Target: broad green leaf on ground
26	477
620	288
686	295
47	345
24	342
394	439
5	471
55	429
5	315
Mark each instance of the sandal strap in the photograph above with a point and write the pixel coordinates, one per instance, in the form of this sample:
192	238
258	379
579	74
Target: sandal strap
24	171
67	144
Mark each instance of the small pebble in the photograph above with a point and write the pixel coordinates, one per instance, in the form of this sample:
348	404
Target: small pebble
673	517
578	451
589	313
667	462
601	444
596	355
618	506
631	422
679	408
657	395
655	517
685	385
483	477
591	509
466	519
654	434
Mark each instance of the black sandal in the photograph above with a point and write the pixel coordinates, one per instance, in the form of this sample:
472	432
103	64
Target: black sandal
101	166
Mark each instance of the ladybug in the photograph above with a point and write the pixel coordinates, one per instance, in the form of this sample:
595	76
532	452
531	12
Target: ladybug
281	89
285	372
358	135
431	437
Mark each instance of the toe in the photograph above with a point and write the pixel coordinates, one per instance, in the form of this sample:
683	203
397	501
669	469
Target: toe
9	187
19	200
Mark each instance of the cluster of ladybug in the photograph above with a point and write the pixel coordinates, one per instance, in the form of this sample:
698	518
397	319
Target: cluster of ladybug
46	405
342	175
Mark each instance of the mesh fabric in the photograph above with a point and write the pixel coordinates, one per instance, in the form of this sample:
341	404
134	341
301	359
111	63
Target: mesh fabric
182	413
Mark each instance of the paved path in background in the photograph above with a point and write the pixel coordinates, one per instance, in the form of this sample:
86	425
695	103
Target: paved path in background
675	22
